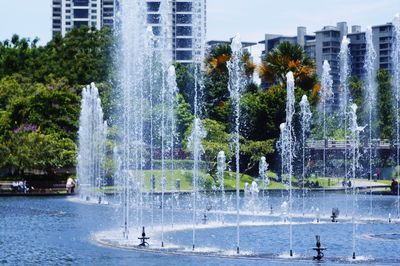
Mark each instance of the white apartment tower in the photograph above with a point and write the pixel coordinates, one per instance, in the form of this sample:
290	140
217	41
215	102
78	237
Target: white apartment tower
187	19
68	14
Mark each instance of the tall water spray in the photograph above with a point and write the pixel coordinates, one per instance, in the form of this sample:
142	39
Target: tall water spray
326	94
345	71
131	60
396	88
370	90
171	103
281	149
287	147
355	154
262	174
92	140
198	133
221	166
167	95
235	86
306	115
262	169
195	144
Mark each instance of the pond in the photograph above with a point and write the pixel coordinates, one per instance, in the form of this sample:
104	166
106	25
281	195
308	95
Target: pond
65	231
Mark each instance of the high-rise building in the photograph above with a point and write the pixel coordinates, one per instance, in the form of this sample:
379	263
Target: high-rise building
187	21
325	45
68	14
302	38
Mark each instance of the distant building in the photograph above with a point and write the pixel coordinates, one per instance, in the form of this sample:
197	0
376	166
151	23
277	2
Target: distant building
185	16
302	38
214	43
68	14
382	37
325	45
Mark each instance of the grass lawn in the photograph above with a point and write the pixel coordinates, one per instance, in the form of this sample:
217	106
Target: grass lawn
185	177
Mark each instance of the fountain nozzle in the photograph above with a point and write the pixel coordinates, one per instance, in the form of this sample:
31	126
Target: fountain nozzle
335	215
319	249
143	242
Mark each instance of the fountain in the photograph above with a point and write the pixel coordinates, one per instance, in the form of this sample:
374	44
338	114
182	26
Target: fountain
287	148
345	71
263	175
306	115
370	76
221	166
326	94
355	154
235	86
145	146
396	88
92	140
195	139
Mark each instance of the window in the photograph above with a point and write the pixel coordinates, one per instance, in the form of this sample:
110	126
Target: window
384	59
184	43
383	29
335	34
81	2
153	6
183	31
156	30
183	6
81	13
183	19
153	18
184	55
78	24
383	46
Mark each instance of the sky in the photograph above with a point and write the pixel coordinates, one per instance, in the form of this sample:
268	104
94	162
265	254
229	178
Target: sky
251	18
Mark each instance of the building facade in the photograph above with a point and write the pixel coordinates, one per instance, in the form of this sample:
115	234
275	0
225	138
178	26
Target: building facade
68	14
325	45
187	21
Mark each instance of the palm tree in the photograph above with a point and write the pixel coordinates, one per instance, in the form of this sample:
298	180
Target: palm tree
284	58
217	59
221	54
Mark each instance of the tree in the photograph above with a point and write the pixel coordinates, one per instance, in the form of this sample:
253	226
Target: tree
216	94
284	58
386	113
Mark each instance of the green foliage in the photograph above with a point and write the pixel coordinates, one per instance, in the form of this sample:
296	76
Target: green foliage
40	91
34	150
82	56
284	58
216	140
184	116
386	113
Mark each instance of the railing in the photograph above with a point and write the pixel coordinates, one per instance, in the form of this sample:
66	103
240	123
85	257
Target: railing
341	144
